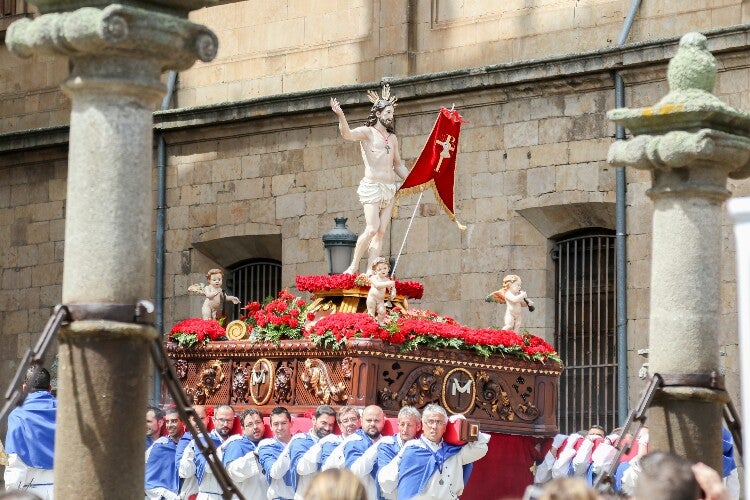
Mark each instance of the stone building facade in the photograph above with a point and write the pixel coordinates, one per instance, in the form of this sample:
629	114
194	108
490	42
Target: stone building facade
256	168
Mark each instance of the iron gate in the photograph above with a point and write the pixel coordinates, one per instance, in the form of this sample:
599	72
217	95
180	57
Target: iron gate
254	280
585	333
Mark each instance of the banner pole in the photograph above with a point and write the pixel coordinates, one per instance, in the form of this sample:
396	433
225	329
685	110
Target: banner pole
395	264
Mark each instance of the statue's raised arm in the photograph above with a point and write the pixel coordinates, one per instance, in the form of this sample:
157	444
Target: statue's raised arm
347	133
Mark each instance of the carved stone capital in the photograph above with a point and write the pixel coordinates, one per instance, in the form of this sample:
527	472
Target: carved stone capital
680	149
116	30
689	163
690	138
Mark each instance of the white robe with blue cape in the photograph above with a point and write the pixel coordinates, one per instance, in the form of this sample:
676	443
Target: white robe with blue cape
30	444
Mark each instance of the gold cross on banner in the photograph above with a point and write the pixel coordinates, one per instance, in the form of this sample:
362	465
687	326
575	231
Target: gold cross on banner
447	145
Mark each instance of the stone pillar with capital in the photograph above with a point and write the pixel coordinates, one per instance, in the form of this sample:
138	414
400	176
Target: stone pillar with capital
691	142
117	53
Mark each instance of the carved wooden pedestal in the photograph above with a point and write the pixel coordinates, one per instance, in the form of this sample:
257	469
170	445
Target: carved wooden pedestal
506	395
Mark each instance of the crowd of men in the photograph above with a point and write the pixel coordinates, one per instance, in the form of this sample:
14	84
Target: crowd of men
416	461
270	461
588	454
402	466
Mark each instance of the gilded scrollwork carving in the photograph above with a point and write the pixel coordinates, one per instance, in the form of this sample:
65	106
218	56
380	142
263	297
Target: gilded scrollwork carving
497	402
197	395
282	386
492	399
421	387
212	377
316	378
210	380
347	364
240	384
181	367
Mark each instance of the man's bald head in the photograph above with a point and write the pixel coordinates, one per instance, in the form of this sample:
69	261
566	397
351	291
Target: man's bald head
373	420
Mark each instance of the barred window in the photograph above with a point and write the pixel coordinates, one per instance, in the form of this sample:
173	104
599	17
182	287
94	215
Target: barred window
11	10
253	280
585	333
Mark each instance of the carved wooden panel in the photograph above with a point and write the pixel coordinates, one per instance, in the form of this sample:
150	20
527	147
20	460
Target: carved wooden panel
206	382
504	395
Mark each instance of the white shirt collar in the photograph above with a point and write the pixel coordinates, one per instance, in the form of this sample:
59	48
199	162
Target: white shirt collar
431	445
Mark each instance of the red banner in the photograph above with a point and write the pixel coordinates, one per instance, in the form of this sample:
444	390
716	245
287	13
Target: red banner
436	165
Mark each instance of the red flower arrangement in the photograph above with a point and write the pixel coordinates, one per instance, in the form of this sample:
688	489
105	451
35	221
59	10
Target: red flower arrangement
410	289
325	283
417	328
190	332
333	332
279	318
535	346
284	317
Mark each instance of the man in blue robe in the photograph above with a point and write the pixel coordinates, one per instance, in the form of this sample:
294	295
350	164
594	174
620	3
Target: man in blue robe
322	425
359	452
429	467
193	462
315	458
269	450
30	441
239	458
188	486
409	425
161	470
729	466
154	424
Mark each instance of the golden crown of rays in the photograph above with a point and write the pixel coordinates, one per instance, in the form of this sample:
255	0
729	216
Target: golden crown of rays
385	95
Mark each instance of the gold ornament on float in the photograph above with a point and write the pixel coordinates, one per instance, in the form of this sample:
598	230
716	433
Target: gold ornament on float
237	330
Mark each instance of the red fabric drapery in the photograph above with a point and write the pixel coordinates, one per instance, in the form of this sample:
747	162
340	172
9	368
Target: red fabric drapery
505	471
436	165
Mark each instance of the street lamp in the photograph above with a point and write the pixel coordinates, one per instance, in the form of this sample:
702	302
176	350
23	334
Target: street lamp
339	243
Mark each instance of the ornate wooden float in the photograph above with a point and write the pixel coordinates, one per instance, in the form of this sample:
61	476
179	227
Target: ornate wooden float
505	395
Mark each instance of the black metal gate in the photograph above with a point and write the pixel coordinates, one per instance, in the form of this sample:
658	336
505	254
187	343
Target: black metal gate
585	333
254	280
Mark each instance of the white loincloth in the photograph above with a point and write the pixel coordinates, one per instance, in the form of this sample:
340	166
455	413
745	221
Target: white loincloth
376	192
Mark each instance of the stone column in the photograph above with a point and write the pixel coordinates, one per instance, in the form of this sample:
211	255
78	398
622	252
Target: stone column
691	142
117	54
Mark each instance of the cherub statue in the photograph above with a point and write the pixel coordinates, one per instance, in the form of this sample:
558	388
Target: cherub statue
213	306
379	285
514	299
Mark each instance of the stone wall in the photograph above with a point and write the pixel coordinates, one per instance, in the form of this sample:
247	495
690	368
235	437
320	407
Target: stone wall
292	177
30	95
529	155
294	45
289	46
32	229
533	153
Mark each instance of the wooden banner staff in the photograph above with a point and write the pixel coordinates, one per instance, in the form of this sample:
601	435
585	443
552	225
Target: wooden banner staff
403	243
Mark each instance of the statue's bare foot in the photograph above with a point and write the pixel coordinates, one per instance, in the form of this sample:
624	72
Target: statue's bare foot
350	270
